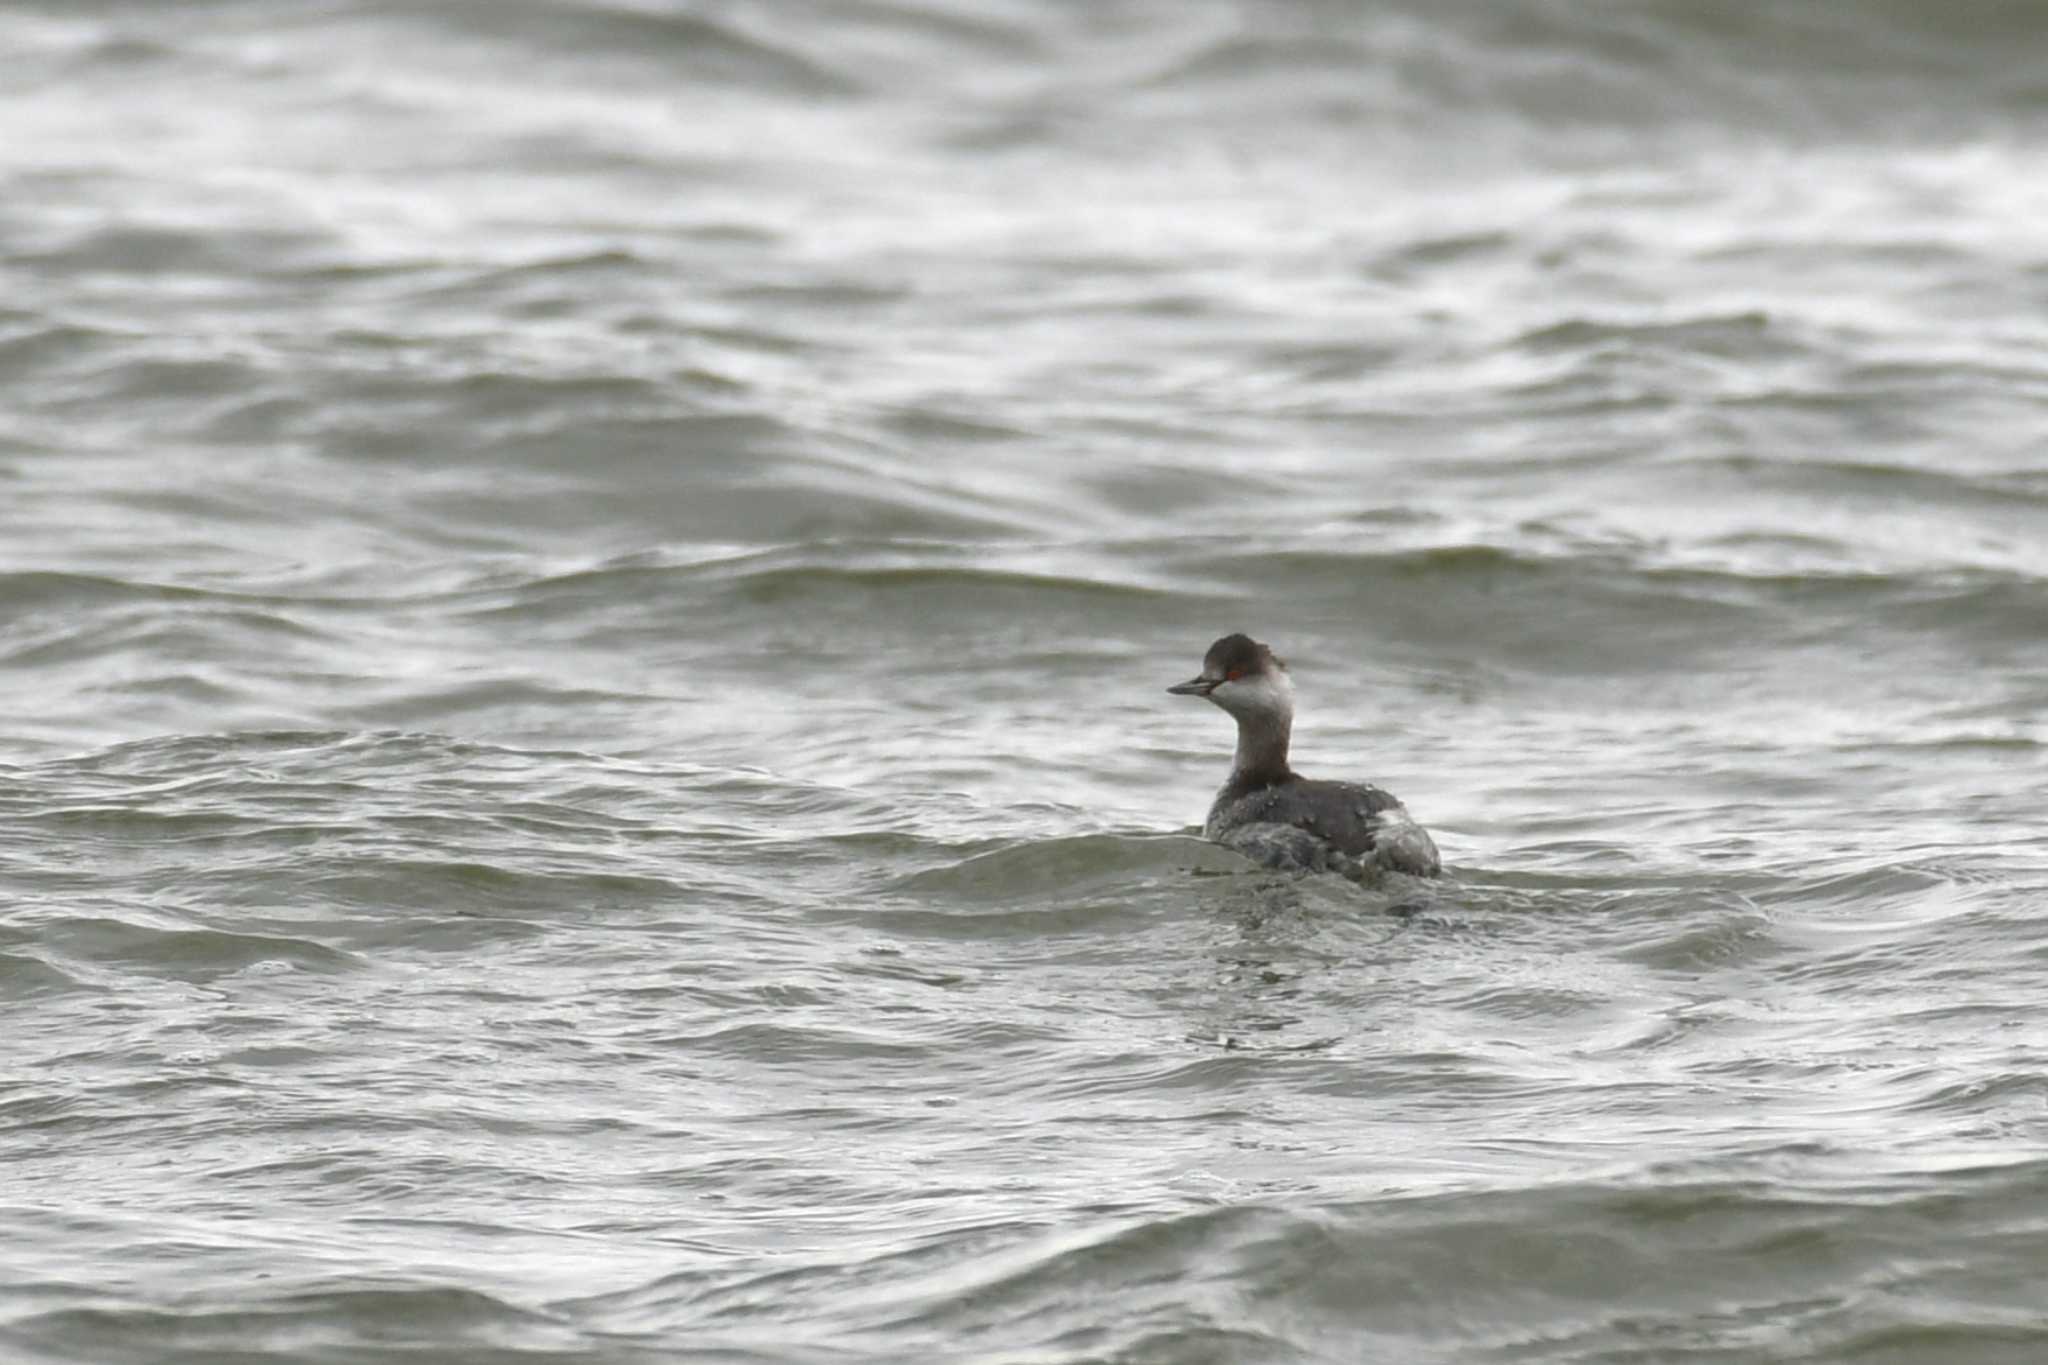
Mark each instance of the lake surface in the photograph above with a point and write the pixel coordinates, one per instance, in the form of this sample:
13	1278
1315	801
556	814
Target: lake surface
586	591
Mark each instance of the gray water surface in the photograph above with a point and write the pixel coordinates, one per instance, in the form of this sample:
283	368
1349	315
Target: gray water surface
585	595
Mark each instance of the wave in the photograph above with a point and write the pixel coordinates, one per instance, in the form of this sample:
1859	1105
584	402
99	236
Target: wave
364	1322
1562	68
185	954
745	49
1431	1277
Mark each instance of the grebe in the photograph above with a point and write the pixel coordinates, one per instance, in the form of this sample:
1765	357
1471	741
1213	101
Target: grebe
1272	814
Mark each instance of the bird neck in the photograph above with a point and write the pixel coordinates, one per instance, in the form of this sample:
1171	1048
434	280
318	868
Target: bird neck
1261	748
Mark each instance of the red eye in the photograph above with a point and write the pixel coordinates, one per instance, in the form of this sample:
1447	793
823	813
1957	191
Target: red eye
1233	675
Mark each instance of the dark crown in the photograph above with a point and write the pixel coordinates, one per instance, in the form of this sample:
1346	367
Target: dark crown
1239	654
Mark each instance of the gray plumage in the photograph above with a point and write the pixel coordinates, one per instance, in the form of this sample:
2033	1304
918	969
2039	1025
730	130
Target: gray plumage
1271	813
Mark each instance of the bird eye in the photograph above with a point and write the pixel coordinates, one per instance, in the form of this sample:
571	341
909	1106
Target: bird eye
1233	675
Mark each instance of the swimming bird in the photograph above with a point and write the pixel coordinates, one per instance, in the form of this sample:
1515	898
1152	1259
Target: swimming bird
1271	813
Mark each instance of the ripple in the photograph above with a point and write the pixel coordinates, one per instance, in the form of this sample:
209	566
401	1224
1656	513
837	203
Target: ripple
195	955
287	1326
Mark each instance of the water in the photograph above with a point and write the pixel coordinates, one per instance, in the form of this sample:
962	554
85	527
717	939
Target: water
585	595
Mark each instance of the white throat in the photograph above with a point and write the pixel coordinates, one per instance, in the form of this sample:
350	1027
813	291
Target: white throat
1264	709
